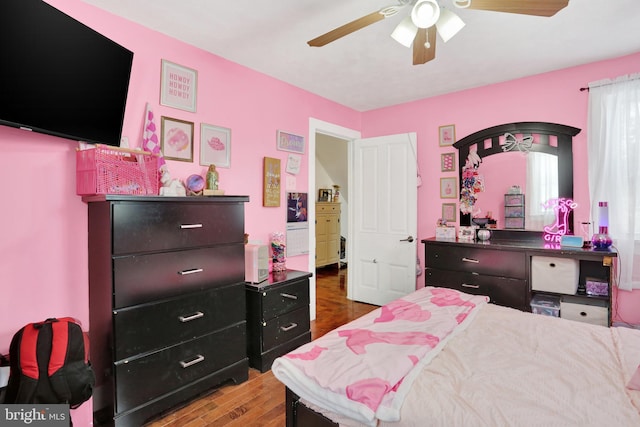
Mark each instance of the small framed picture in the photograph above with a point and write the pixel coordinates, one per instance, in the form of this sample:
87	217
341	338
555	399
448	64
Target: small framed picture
447	135
271	182
449	212
177	139
449	188
290	142
325	195
448	162
215	146
178	86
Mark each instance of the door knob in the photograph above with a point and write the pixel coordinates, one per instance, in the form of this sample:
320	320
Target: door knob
408	239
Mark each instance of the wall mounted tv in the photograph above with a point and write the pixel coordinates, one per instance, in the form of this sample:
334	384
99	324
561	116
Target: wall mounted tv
60	77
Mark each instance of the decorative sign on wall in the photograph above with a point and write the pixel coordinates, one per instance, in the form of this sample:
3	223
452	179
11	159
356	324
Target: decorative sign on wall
178	86
271	182
290	142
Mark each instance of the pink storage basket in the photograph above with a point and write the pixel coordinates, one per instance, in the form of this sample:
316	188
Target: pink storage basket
111	170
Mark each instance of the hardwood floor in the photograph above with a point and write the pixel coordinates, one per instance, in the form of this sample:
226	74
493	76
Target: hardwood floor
259	402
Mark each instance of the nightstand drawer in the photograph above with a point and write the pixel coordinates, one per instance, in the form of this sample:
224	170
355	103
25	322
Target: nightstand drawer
500	290
143	278
481	261
327	208
148	227
142	379
284	299
153	326
284	328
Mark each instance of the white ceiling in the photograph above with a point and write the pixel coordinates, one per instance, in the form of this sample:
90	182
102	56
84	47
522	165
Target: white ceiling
367	69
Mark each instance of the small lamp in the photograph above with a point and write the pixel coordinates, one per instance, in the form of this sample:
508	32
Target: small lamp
405	32
601	240
449	24
425	13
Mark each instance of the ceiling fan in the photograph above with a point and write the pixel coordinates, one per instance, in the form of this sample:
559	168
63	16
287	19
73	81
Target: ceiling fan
427	17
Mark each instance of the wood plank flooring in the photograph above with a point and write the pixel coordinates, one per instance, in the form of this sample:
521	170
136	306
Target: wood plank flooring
259	402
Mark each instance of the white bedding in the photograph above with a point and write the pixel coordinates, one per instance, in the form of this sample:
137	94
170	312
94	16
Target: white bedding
510	368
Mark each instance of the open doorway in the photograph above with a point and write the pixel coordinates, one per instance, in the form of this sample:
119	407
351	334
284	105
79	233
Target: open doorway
323	131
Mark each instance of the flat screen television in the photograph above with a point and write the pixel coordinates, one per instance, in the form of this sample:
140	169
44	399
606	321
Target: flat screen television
60	77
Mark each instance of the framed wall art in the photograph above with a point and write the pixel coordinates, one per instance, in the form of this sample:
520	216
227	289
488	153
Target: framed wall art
178	86
177	139
449	212
448	162
215	146
447	135
449	188
271	182
325	195
290	142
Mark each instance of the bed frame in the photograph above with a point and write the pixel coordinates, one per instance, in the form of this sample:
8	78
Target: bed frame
299	415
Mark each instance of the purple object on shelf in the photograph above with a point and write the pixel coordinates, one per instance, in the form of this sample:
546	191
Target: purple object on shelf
596	287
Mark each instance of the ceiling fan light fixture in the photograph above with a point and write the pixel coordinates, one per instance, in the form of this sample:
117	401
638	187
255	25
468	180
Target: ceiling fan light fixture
425	13
449	24
405	32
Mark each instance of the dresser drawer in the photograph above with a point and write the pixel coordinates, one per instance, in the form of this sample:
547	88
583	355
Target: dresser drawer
500	290
143	379
154	326
148	227
327	208
482	261
285	298
284	328
142	278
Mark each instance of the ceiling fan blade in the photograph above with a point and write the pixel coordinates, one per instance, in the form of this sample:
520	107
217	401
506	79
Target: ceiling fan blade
421	53
348	28
523	7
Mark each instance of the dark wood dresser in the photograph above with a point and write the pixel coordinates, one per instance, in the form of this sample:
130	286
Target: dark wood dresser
166	301
277	316
501	269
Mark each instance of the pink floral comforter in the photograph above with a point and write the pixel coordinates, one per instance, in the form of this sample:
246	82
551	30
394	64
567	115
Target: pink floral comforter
364	369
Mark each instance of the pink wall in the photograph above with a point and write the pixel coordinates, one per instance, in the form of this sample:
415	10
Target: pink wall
551	97
43	251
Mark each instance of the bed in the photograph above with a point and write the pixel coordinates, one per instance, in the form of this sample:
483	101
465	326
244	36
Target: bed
453	359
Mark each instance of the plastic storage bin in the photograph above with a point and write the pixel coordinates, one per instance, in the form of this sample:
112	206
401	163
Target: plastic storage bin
112	170
552	274
547	305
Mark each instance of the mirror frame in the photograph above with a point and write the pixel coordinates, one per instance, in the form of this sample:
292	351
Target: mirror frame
563	150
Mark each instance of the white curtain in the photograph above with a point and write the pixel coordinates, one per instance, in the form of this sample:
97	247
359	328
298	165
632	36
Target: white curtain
542	185
614	168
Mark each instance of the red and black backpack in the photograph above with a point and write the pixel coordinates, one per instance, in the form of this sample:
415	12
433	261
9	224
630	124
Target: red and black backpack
49	363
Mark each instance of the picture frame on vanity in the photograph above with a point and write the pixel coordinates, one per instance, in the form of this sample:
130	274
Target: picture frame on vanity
449	212
449	188
448	162
446	135
176	139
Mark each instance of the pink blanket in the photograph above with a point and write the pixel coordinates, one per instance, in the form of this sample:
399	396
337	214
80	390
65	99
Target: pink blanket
364	369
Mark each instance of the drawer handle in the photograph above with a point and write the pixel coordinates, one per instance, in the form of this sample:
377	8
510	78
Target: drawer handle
199	358
288	328
289	296
192	271
187	226
468	285
475	261
583	314
196	315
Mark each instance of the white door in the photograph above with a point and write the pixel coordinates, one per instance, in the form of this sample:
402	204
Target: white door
382	263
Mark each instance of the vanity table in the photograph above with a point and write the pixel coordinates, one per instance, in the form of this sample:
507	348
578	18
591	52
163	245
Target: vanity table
501	269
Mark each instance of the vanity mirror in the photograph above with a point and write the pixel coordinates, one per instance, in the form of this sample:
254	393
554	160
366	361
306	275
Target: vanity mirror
536	156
